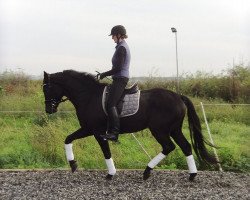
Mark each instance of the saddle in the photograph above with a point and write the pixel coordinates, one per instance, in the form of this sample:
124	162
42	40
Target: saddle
129	102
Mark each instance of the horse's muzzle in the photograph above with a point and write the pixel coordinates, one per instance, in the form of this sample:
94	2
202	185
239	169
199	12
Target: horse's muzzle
51	108
50	111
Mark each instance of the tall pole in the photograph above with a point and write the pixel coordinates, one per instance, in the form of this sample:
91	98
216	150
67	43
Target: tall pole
176	54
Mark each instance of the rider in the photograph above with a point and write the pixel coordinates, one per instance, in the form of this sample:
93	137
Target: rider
120	76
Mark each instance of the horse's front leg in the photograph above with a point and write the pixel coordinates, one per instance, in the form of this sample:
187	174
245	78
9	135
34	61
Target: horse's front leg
80	133
107	154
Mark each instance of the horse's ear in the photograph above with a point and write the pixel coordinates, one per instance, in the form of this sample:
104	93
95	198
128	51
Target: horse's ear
45	76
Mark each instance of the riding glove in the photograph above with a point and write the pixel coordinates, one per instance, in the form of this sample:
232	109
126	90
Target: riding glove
100	76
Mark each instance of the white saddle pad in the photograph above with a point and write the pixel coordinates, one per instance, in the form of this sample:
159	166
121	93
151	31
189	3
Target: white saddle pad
130	103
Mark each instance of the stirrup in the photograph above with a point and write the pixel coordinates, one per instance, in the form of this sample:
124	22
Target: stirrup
110	136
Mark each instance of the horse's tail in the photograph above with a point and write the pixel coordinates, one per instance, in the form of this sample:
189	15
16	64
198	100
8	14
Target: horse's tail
197	138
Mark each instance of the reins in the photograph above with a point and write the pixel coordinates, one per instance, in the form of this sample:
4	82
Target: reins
63	100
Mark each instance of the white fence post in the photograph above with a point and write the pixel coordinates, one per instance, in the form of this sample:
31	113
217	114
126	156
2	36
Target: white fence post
210	136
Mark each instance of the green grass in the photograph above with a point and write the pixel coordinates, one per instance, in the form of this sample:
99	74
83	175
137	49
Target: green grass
37	141
233	140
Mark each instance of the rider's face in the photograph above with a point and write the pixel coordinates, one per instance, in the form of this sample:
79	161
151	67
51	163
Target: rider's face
114	37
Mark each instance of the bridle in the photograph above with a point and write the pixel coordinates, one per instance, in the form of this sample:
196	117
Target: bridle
54	102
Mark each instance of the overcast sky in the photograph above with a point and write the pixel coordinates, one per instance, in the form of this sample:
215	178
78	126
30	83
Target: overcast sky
53	35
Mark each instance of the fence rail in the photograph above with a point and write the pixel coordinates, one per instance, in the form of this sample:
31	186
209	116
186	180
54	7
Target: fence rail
71	111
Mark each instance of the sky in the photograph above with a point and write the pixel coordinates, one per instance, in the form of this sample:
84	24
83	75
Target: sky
54	35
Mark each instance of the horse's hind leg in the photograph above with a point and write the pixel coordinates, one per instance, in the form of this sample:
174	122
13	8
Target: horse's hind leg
167	147
185	146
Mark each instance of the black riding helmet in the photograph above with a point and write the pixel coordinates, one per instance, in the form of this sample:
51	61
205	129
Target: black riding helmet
118	29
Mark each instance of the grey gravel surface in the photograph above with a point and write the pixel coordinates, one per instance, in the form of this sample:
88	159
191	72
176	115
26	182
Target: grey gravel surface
126	184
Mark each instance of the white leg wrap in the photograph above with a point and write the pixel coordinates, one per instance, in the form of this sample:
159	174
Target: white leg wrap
156	160
111	166
69	152
191	164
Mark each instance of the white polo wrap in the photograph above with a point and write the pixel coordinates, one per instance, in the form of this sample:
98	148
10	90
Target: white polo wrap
111	166
191	164
156	160
69	152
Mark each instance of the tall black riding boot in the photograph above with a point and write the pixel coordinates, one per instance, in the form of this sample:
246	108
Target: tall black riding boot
113	125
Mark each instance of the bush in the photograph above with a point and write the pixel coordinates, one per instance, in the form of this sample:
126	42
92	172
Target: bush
234	86
18	83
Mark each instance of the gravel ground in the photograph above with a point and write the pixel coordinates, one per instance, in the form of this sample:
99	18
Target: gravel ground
126	184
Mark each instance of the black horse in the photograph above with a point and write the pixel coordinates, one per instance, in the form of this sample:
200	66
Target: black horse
161	111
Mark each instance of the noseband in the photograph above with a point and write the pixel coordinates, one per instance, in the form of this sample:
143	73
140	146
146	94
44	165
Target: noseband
54	102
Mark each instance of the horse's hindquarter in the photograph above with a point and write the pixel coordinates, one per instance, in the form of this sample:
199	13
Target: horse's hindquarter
157	106
166	104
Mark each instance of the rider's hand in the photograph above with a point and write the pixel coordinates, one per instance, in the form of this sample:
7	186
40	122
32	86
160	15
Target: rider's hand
97	76
100	76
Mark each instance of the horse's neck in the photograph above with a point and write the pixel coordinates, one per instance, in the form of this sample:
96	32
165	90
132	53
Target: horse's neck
82	97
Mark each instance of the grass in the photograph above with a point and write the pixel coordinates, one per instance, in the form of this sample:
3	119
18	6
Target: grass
37	141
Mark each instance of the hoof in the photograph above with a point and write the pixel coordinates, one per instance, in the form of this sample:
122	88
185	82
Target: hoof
109	177
192	176
146	173
146	176
73	165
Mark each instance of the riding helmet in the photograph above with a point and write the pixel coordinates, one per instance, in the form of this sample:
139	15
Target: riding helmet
118	29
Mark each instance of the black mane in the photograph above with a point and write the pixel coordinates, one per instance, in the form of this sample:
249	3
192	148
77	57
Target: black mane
83	77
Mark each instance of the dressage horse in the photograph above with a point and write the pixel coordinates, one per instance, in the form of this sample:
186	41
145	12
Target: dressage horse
161	111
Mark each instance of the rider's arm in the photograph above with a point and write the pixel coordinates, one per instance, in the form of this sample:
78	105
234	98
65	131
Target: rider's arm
120	59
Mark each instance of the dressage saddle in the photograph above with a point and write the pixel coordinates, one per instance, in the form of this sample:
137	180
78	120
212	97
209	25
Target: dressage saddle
127	92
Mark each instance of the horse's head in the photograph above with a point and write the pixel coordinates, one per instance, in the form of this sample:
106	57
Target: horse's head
53	94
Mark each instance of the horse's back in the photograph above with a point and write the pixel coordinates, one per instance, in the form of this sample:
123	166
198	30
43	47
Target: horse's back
158	107
160	98
165	109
